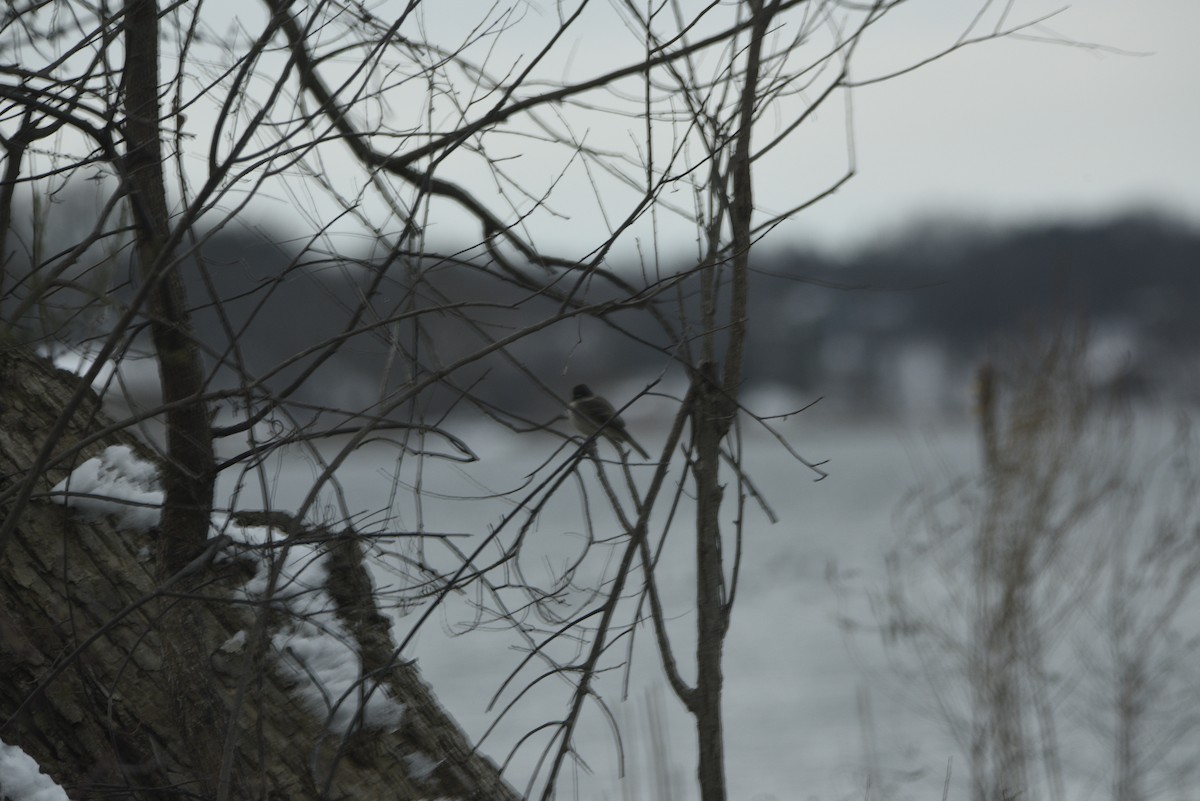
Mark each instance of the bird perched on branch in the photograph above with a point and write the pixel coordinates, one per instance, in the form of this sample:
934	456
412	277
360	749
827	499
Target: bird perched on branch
590	413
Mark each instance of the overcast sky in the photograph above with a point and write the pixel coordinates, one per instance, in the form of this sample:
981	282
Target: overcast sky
1018	130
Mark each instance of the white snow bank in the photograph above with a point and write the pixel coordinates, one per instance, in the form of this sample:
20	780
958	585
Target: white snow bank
115	483
314	649
22	780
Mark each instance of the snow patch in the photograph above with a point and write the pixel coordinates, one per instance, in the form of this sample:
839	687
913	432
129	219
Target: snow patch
21	779
115	483
77	361
235	644
315	650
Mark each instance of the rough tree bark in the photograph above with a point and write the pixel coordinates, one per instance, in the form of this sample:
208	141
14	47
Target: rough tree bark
83	669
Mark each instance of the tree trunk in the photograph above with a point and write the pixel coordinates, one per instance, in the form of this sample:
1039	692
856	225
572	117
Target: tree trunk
189	475
711	423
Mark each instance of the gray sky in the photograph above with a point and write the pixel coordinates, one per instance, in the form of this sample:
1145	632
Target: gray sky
1019	130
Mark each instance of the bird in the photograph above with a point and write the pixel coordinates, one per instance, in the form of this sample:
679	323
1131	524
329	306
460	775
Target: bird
590	413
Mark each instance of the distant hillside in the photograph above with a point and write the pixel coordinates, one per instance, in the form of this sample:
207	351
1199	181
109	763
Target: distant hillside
904	322
909	319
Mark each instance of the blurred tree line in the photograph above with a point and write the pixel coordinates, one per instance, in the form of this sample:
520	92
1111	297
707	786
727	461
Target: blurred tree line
859	329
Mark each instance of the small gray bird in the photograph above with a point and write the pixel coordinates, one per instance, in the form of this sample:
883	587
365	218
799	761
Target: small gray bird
590	413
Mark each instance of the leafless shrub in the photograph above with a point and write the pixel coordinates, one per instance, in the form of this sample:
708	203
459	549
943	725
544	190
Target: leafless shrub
1015	595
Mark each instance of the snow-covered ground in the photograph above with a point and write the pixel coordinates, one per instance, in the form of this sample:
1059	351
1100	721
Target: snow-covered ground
314	650
22	780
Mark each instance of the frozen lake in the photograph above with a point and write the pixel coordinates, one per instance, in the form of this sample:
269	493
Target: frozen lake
812	706
795	680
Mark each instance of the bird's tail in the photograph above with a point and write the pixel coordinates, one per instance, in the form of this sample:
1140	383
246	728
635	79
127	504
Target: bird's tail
633	444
